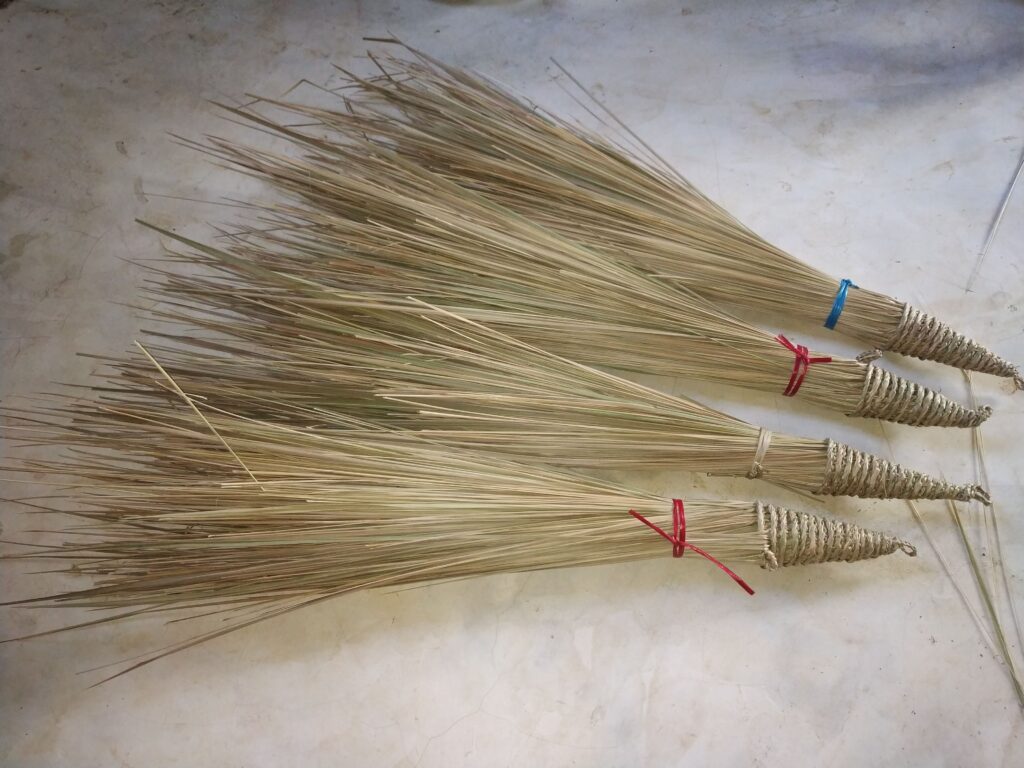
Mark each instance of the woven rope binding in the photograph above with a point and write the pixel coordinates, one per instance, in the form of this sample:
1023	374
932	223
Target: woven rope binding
797	538
850	472
921	335
893	398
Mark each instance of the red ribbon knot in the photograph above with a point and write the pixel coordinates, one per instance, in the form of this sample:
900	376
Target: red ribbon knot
801	363
680	544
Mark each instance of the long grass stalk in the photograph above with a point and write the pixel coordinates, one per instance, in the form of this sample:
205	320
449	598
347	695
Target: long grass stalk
989	603
990	518
1000	648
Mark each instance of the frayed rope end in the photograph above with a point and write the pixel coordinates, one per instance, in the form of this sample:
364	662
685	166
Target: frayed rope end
908	549
977	493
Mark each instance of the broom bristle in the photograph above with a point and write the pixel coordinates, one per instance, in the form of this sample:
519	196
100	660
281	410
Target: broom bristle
626	203
190	508
429	369
372	220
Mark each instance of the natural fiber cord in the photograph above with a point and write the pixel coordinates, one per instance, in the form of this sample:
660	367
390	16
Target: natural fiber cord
764	441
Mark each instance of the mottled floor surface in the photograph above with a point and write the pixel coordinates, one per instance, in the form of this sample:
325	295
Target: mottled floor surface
875	140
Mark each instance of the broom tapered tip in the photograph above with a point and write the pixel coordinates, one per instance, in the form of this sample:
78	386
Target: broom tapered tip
799	538
849	472
928	338
893	398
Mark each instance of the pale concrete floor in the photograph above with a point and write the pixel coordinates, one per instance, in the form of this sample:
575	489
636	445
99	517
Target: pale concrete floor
873	139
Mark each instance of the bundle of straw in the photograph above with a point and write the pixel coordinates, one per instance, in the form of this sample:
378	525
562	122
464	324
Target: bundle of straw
373	221
474	386
625	202
191	508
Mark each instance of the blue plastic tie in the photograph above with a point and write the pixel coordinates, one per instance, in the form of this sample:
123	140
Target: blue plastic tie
839	303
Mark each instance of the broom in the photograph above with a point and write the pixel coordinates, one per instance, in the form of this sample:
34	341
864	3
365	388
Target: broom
628	203
193	509
372	221
476	387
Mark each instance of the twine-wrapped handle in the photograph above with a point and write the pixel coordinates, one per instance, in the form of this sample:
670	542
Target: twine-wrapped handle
797	538
849	472
921	335
893	398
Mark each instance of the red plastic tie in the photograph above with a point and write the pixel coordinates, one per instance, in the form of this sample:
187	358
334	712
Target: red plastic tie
801	363
680	544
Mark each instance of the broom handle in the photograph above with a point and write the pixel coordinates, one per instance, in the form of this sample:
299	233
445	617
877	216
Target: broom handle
849	472
890	397
798	538
921	335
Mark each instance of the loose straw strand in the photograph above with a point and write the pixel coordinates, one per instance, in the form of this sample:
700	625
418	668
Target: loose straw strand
192	405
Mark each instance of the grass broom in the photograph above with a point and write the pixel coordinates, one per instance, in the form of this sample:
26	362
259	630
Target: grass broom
192	510
624	202
425	368
371	220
